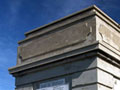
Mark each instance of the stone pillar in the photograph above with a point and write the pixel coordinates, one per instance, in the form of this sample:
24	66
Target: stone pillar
78	52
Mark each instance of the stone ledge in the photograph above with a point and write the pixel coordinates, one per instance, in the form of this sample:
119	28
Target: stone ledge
81	51
85	52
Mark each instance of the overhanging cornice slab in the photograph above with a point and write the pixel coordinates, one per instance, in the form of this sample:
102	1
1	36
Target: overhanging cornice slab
29	65
96	47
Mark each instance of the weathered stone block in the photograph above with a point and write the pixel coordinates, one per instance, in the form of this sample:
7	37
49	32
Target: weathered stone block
88	87
82	33
84	78
82	49
25	87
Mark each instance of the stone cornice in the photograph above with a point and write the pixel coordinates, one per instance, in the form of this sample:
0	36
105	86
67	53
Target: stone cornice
28	65
96	49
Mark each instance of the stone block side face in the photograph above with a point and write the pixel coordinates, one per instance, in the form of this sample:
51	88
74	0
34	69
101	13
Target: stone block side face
84	78
102	87
25	87
77	81
116	84
94	87
65	38
115	71
80	75
105	79
97	74
107	33
108	75
60	70
88	87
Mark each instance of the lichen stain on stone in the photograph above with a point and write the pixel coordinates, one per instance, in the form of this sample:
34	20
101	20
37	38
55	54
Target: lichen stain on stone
109	37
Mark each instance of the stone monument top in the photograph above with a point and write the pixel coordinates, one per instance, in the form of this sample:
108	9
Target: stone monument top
87	30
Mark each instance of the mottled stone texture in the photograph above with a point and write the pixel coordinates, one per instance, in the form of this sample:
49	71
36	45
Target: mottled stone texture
59	39
83	49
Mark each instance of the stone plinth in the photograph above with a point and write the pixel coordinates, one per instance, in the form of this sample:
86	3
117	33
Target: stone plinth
77	52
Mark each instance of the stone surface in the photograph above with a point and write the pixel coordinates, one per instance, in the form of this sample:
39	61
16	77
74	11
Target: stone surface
82	33
88	87
108	34
102	87
116	84
84	78
105	78
107	67
83	49
25	87
60	70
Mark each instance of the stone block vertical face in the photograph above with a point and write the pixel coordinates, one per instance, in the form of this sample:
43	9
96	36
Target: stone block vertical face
108	74
78	52
19	57
116	84
102	87
111	71
105	78
61	40
108	34
27	87
89	87
108	67
84	78
80	72
74	81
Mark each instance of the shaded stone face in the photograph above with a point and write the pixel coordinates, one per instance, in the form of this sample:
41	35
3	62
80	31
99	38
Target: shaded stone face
78	52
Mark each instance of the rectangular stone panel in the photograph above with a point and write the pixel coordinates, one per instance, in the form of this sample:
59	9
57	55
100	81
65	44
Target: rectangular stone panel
25	87
108	34
82	32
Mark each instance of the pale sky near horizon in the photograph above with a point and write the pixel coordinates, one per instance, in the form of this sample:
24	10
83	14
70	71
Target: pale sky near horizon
20	16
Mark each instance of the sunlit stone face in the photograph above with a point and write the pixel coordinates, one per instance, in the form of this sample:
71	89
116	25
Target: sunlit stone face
117	85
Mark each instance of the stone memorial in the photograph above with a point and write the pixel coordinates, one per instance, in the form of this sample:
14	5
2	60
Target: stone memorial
78	52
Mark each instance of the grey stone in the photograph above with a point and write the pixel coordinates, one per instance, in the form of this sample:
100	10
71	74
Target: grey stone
83	49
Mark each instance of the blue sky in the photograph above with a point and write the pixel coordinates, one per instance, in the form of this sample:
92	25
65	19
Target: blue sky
20	16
